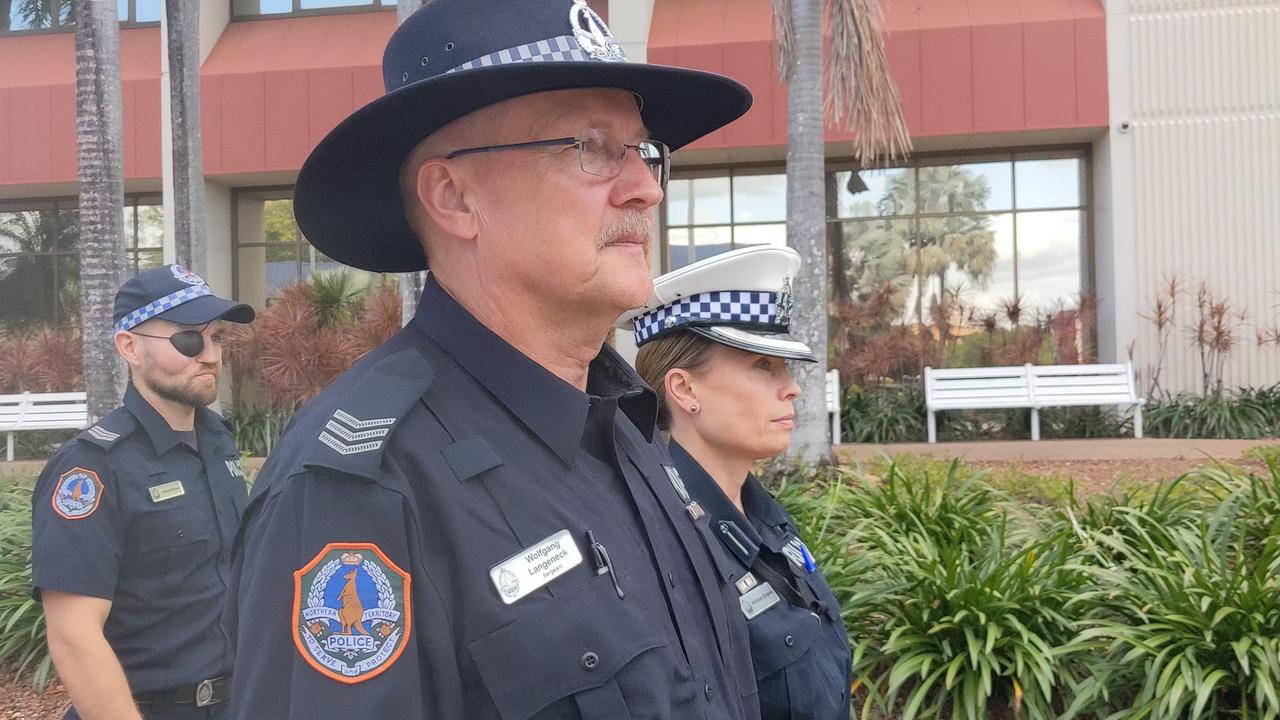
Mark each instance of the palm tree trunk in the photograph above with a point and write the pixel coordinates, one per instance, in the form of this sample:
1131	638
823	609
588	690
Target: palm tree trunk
806	207
410	283
100	146
183	20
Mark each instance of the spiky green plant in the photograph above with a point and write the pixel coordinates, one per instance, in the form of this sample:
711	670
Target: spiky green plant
22	630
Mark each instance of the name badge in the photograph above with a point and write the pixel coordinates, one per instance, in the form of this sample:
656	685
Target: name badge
166	491
535	566
758	599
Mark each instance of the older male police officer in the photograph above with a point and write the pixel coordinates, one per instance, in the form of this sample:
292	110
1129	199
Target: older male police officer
476	521
134	518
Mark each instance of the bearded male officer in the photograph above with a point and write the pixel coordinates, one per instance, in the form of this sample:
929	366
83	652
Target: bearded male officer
478	521
133	519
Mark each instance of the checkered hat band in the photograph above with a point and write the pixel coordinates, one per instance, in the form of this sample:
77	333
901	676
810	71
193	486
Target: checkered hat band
559	48
726	307
164	304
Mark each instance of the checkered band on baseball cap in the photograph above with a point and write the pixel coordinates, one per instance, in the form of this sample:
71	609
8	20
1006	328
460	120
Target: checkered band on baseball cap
160	305
728	307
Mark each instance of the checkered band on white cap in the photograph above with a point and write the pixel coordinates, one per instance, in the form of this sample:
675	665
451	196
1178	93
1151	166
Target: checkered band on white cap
559	48
166	303
727	307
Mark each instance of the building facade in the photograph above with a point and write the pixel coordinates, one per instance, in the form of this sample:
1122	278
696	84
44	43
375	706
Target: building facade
1065	149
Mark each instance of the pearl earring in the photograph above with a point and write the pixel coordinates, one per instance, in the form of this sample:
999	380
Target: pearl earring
693	408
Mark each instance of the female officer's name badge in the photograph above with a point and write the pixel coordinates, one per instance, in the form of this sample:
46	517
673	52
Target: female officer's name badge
351	610
535	566
77	493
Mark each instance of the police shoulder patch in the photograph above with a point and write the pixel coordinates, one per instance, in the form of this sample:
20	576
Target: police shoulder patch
77	493
351	612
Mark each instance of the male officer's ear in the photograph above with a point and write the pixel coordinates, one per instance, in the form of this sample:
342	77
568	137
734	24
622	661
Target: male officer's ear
129	347
444	194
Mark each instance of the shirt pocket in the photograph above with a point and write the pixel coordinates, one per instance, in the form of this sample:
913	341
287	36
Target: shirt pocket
167	544
567	649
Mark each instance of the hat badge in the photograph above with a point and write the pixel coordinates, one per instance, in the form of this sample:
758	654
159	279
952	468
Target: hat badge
785	303
185	275
592	34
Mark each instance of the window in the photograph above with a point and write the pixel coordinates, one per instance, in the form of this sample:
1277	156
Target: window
707	215
259	8
40	259
980	233
20	16
269	251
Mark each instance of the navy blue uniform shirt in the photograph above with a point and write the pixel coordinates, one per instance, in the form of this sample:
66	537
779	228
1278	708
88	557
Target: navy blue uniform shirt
128	512
451	532
798	642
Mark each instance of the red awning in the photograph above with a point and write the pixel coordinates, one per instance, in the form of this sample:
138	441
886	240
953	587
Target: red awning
272	88
38	106
961	66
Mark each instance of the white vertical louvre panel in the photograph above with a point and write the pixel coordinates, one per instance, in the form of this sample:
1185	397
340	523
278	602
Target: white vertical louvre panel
1205	79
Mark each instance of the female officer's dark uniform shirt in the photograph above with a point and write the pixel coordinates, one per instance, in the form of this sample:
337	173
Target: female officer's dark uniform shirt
128	512
450	532
798	642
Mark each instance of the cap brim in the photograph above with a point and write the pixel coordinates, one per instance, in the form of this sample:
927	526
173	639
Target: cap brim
347	197
206	309
774	344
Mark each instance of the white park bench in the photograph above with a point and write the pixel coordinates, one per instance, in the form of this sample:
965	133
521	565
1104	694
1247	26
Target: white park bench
1030	386
833	404
41	411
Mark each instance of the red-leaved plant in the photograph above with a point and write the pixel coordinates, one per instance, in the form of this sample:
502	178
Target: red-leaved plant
301	341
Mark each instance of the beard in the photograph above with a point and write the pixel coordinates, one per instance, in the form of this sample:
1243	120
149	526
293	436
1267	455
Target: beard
186	393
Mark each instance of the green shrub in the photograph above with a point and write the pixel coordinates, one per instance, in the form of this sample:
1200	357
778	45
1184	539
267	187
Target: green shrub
257	430
39	444
1189	620
1217	415
889	414
22	635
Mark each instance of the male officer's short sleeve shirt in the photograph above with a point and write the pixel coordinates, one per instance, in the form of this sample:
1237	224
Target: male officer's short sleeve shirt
129	513
451	532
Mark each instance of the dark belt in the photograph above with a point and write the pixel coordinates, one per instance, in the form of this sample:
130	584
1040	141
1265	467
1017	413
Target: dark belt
202	694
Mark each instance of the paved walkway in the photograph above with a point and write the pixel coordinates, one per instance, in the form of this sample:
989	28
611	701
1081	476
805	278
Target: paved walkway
986	451
1070	450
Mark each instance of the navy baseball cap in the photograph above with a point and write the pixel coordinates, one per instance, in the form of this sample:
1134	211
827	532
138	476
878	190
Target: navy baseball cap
176	294
451	58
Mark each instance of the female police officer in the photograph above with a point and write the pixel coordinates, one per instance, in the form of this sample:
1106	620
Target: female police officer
713	344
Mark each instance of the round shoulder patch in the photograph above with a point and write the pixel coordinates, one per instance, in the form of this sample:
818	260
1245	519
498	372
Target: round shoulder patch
77	493
351	611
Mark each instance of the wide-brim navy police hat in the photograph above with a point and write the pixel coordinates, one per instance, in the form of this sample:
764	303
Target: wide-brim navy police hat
451	58
741	298
176	294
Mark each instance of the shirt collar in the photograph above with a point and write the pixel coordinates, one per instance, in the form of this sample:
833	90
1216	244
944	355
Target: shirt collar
554	410
163	438
763	520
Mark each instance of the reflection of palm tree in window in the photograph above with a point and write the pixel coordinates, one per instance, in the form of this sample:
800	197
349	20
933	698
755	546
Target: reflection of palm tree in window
28	275
33	14
938	240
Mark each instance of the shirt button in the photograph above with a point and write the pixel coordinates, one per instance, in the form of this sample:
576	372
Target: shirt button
790	641
590	661
707	691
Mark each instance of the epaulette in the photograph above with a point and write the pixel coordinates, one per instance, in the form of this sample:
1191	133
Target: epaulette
352	427
108	431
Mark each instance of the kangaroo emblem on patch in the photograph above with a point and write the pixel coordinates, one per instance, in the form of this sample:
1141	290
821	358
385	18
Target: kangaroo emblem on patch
351	609
77	494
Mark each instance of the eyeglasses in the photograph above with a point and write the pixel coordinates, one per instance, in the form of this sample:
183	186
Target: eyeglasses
598	154
187	342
